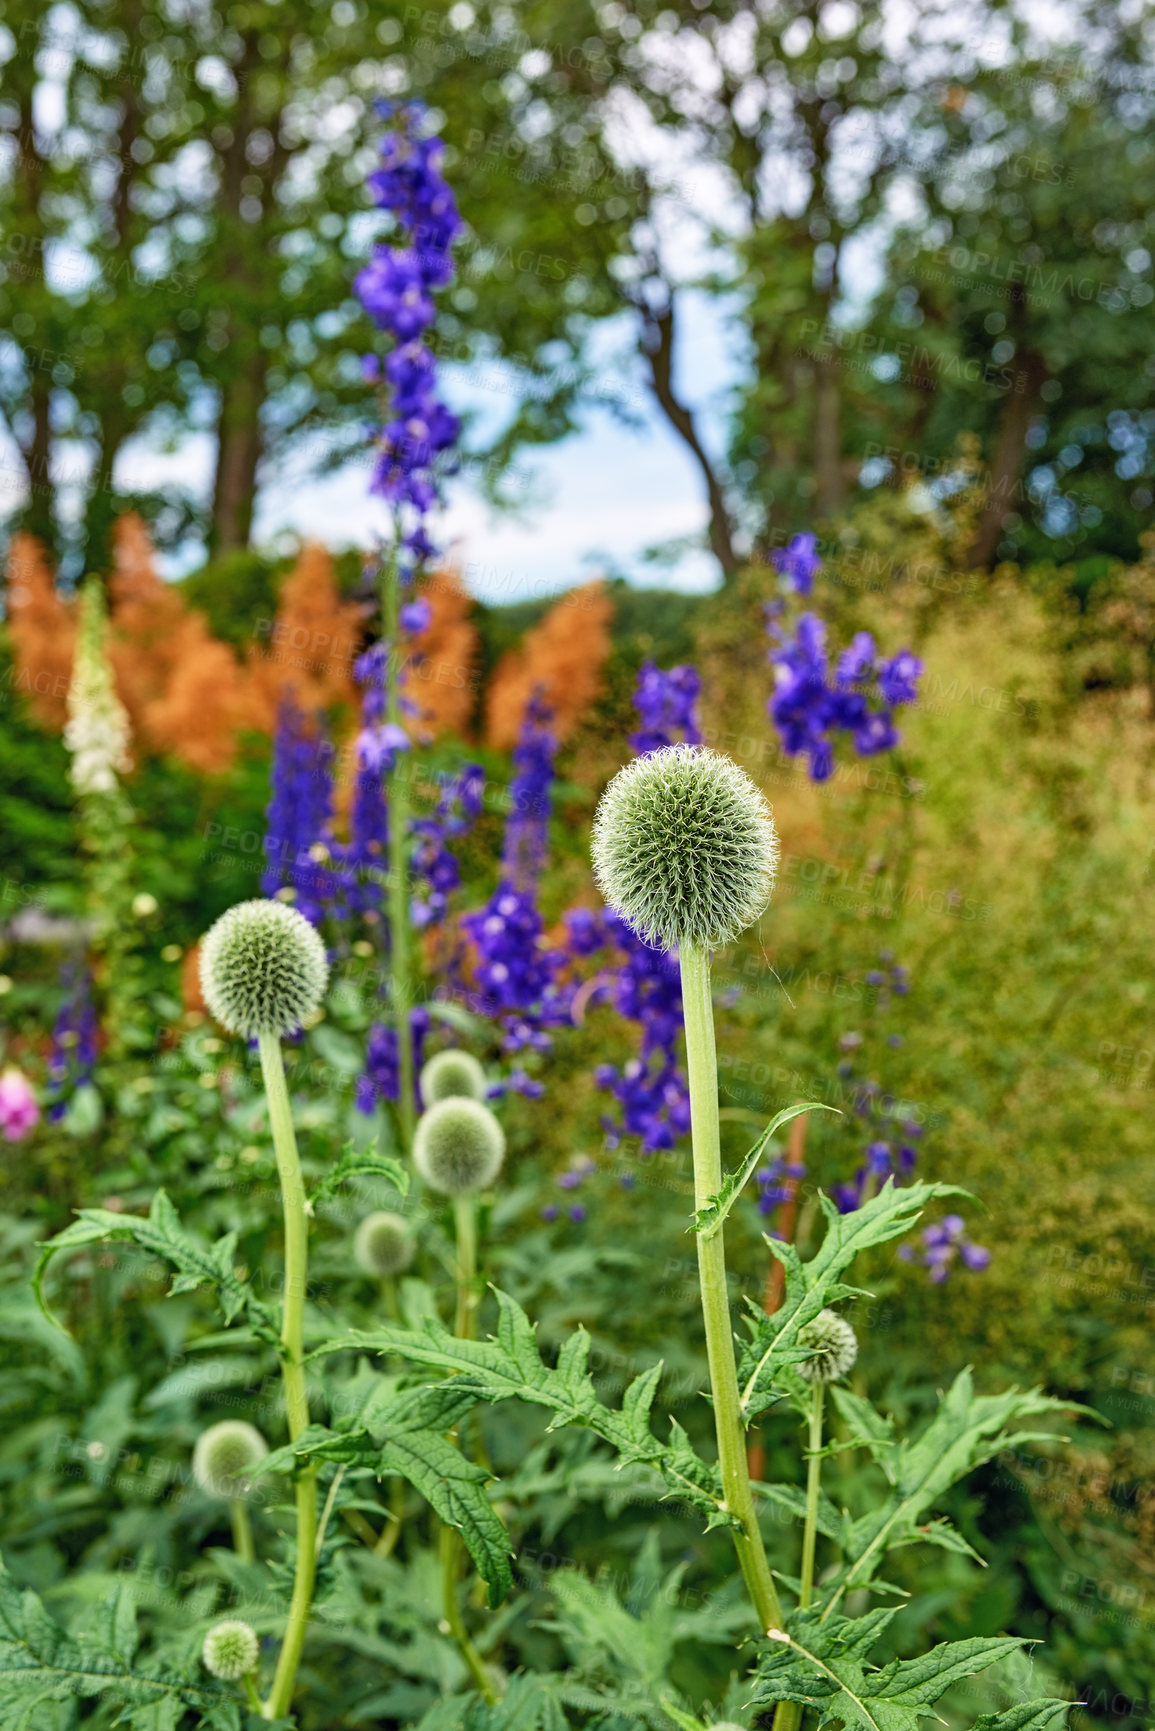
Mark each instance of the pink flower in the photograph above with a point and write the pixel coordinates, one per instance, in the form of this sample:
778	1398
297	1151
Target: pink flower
18	1109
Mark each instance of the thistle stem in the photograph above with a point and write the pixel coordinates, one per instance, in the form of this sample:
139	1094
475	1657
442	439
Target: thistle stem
397	795
465	1221
702	1070
454	1622
242	1530
292	1367
813	1481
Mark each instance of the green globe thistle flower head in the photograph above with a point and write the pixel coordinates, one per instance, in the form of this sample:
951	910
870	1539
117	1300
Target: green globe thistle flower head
452	1075
231	1650
383	1244
263	969
834	1345
222	1453
684	848
458	1147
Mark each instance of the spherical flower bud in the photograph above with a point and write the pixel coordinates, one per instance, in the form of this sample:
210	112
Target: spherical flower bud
458	1147
263	969
383	1244
834	1345
231	1649
223	1452
684	847
453	1075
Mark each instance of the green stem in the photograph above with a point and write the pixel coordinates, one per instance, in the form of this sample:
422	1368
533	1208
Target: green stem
397	795
242	1530
292	1367
451	1610
813	1482
249	1683
702	1070
465	1220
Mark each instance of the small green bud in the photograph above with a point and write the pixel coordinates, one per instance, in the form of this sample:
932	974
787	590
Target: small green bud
231	1650
458	1147
383	1244
452	1075
223	1452
263	969
834	1345
684	847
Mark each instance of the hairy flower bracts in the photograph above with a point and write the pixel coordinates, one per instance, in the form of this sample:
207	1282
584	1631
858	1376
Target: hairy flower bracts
74	1036
667	706
396	288
299	814
434	864
646	985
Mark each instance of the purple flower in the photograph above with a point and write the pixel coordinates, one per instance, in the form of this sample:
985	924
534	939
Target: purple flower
808	706
898	678
396	289
527	826
798	562
73	1056
299	813
942	1245
667	706
381	1078
434	864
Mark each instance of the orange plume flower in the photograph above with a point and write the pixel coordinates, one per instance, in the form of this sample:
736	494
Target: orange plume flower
564	656
43	630
312	643
183	688
440	676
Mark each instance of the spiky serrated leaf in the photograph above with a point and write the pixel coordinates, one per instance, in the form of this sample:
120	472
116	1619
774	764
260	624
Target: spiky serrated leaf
1024	1716
967	1430
825	1665
509	1366
361	1163
710	1219
812	1286
40	1664
400	1443
160	1232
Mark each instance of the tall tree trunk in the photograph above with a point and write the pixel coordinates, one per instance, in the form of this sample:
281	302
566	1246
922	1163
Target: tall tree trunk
657	345
828	474
1006	466
238	454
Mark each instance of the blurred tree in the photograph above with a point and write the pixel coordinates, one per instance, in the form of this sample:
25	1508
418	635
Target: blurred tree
1019	300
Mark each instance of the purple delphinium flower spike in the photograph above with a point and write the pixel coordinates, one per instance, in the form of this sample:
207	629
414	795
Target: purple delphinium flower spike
74	1033
798	562
667	706
299	813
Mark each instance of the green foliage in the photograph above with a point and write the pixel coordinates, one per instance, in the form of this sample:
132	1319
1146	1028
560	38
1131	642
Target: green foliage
510	1367
812	1286
823	1663
161	1233
40	1663
709	1221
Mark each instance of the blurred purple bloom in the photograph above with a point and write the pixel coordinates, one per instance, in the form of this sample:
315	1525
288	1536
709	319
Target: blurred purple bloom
381	1078
299	813
942	1245
798	562
72	1058
667	706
